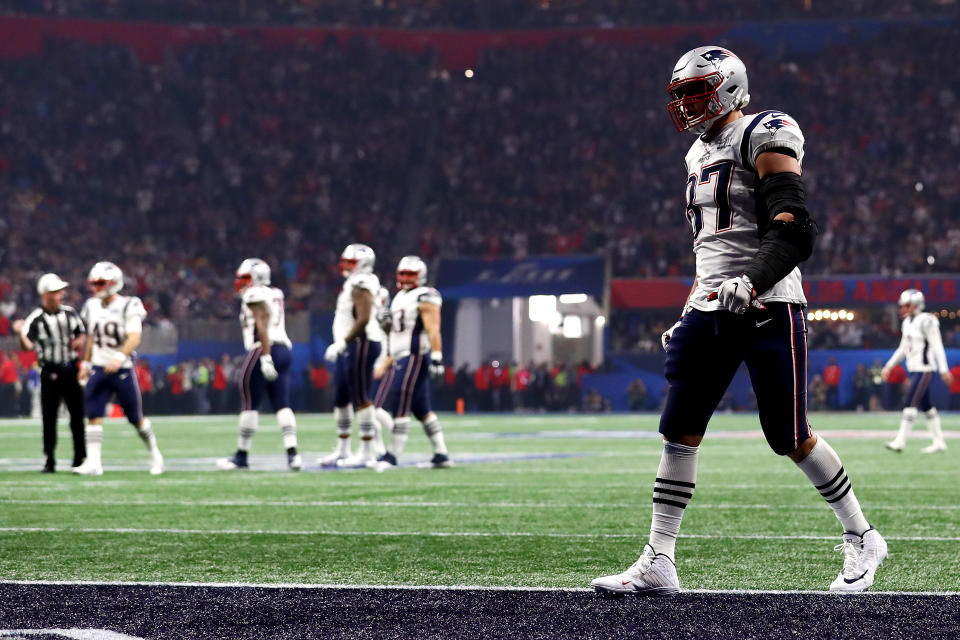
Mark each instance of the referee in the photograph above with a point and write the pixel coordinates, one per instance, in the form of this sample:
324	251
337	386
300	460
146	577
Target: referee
56	331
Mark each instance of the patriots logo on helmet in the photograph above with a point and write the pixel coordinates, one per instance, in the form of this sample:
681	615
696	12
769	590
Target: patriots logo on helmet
715	55
778	123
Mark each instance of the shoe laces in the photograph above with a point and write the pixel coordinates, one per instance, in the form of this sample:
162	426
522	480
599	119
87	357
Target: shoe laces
851	557
642	565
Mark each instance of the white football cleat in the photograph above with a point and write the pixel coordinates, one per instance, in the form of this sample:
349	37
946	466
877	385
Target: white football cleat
156	463
295	461
88	468
894	445
333	460
935	447
358	459
654	574
861	557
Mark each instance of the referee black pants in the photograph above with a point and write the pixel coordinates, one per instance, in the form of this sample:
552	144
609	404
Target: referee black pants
59	382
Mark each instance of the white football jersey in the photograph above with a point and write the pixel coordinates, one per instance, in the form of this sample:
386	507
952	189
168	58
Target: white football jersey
109	326
921	344
343	317
276	326
406	334
721	174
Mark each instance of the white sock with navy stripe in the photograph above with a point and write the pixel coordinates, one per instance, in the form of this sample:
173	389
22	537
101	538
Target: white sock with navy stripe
906	425
672	491
366	420
94	441
398	440
434	431
344	419
145	431
825	471
248	426
933	426
288	427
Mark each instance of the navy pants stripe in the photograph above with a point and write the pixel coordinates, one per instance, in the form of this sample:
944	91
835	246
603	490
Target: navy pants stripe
353	373
253	384
707	349
410	391
383	390
919	394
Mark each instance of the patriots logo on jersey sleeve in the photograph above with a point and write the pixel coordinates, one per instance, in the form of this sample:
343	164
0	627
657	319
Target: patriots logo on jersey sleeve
778	122
715	55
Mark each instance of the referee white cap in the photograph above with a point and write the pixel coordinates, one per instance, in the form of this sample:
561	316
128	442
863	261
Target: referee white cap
50	282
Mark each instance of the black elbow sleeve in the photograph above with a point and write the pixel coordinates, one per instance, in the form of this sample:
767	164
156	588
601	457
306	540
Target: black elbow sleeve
783	245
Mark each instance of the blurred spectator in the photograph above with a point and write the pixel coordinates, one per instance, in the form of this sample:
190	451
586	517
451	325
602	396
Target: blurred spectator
955	388
893	391
593	402
818	393
831	377
637	395
862	387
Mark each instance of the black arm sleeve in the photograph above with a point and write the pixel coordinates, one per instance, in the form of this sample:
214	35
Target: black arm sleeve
783	245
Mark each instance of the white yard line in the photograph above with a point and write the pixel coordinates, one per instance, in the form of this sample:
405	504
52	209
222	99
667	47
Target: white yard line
440	504
436	534
457	587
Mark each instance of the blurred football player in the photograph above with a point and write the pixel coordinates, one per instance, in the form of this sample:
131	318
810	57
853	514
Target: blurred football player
417	349
267	365
114	329
357	339
746	206
922	346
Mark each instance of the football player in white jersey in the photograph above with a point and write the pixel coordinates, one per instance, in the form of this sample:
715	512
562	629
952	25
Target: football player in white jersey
751	229
414	337
115	327
922	347
267	365
357	343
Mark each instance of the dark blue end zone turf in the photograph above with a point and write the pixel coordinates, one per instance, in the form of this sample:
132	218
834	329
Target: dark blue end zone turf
212	613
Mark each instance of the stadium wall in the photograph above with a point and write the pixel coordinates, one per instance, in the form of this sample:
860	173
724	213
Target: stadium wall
648	367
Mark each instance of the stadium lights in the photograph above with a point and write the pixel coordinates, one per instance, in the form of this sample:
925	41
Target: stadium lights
830	314
572	327
542	308
573	298
600	321
468	73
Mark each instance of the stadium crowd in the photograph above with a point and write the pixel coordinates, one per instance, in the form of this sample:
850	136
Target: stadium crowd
472	14
177	171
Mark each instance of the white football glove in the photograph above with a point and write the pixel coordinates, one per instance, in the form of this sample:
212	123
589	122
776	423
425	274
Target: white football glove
666	335
436	364
737	294
334	350
266	367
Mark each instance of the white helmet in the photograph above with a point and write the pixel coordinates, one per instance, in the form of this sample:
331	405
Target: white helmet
710	76
252	271
411	272
912	296
105	279
357	258
50	282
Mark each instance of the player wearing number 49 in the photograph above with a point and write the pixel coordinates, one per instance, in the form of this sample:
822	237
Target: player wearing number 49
747	208
266	368
414	336
114	328
922	346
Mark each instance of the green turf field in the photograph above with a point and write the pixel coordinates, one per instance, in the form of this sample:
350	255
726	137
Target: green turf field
579	510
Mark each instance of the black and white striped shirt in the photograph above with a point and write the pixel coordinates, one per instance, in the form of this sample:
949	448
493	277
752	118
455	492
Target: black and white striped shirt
51	334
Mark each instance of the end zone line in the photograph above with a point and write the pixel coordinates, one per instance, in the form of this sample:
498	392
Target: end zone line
455	587
440	534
